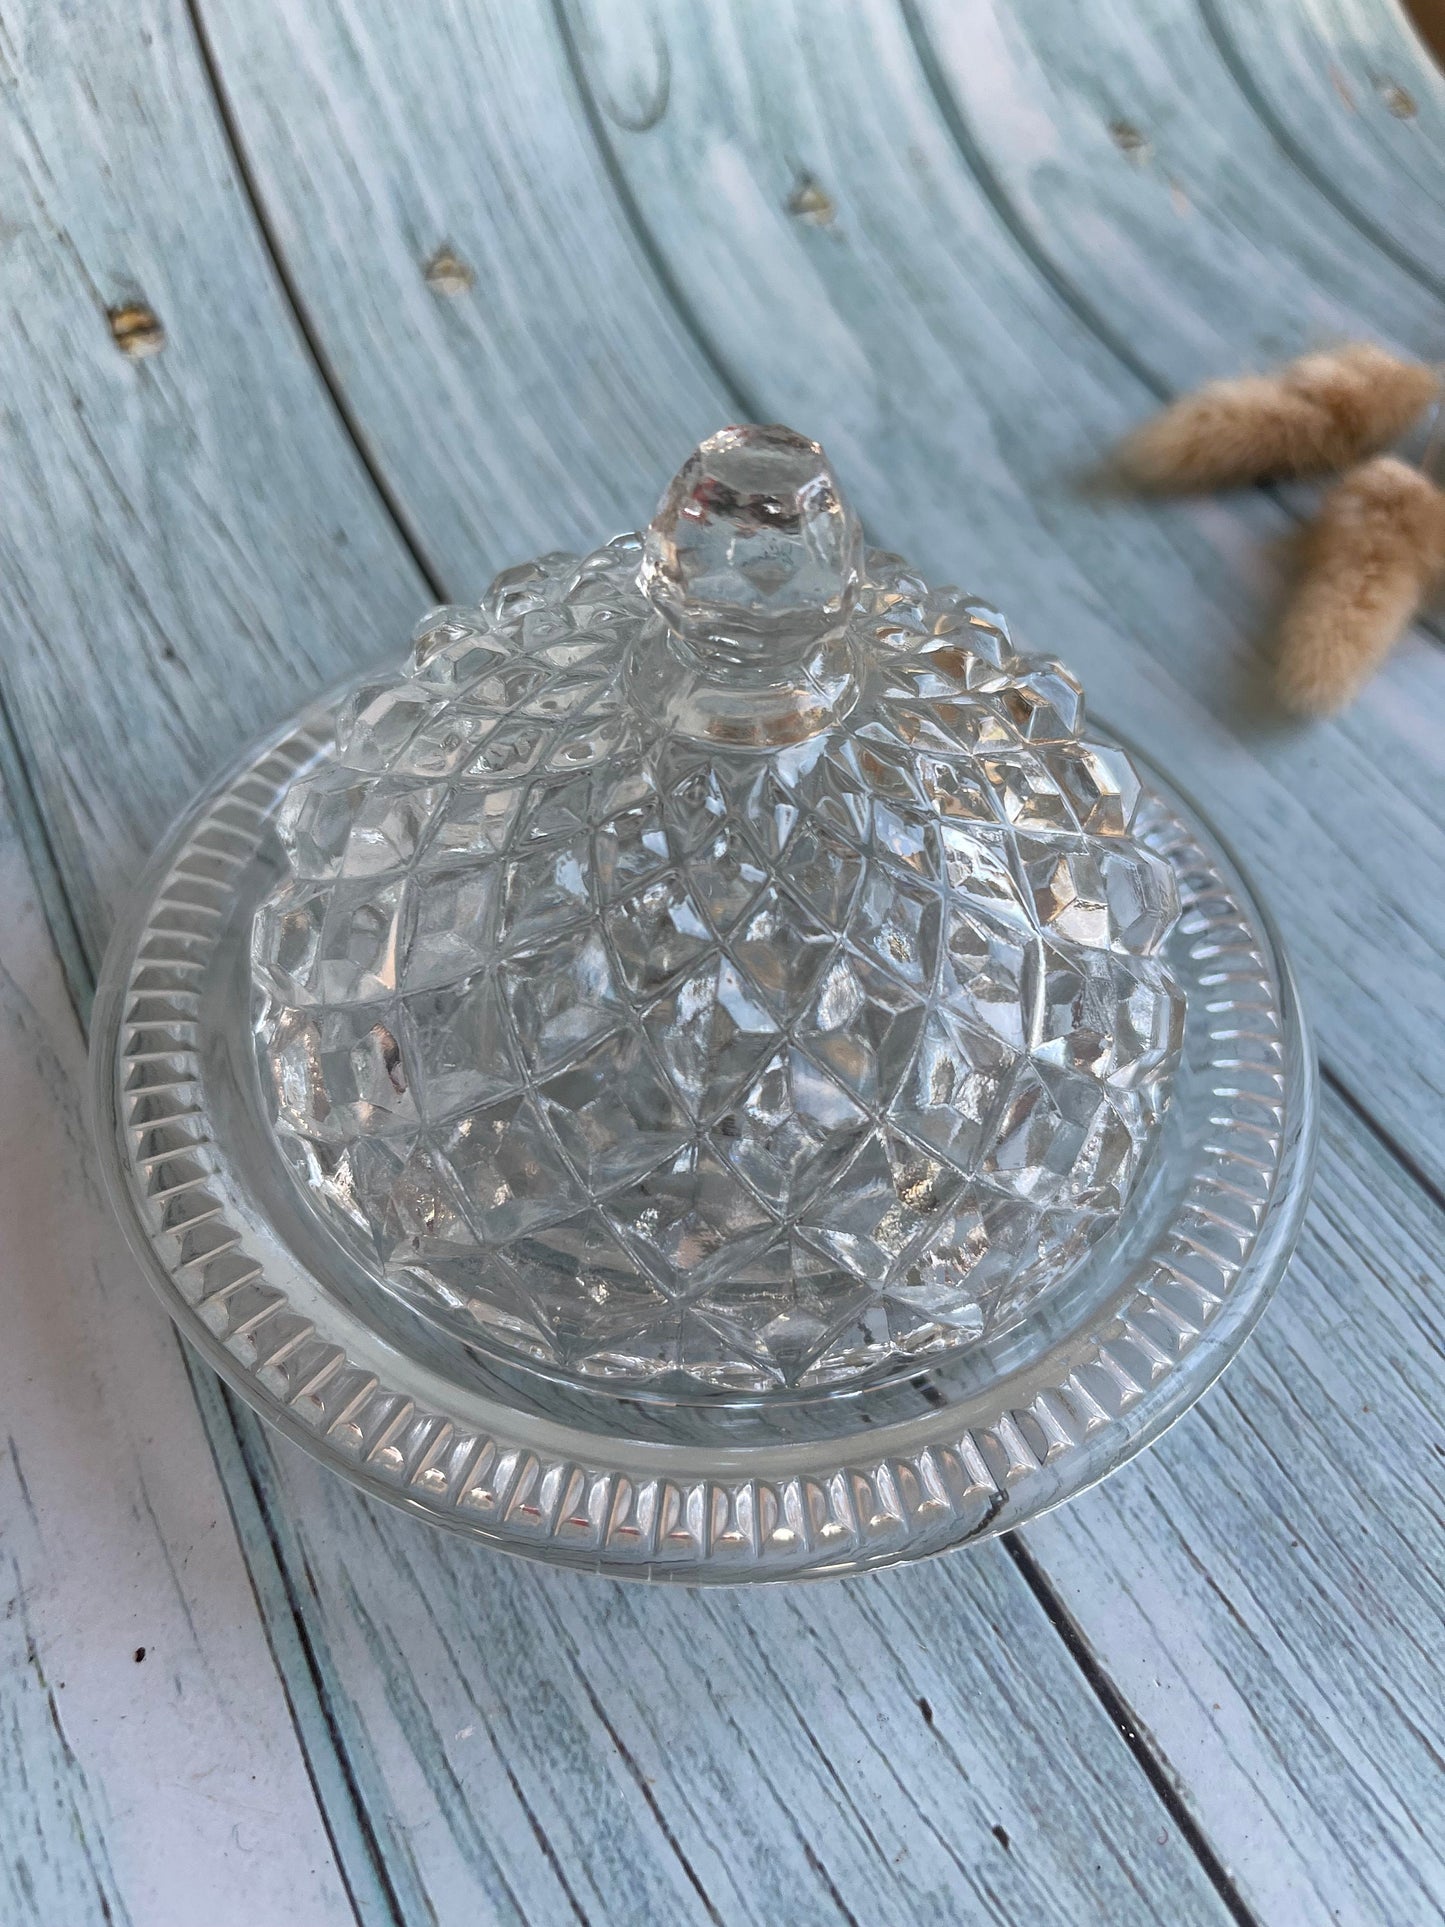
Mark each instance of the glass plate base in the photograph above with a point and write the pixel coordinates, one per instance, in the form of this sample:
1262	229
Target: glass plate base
700	1489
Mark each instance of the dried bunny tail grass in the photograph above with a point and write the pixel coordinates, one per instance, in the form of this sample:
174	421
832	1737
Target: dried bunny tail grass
1370	397
1318	413
1370	559
1231	432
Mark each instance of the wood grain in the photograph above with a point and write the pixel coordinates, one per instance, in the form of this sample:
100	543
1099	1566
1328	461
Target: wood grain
1263	1588
245	476
908	1747
1268	1588
893	1747
689	188
1129	159
544	405
149	1755
1355	101
190	544
961	403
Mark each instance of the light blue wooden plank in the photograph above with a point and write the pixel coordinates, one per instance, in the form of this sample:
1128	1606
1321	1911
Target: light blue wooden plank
244	479
1143	170
544	405
961	394
906	1747
1261	1758
147	1754
165	515
57	1861
1265	1586
1358	104
1268	1588
190	545
1129	160
833	325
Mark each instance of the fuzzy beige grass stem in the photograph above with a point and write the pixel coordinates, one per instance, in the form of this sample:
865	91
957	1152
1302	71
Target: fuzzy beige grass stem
1372	556
1319	413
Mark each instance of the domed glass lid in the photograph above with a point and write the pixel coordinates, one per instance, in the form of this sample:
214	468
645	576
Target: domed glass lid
719	961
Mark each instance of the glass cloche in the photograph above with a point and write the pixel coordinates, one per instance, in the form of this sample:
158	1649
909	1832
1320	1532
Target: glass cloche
719	957
718	998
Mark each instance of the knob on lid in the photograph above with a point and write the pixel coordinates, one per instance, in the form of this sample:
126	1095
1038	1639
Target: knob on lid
754	553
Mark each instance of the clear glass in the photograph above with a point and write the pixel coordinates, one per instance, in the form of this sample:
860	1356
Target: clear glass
701	1076
719	963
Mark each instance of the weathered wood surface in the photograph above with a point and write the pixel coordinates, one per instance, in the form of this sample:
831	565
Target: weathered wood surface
191	544
1356	102
148	1755
1264	1588
962	401
1268	1591
99	802
916	1748
1130	165
561	384
192	540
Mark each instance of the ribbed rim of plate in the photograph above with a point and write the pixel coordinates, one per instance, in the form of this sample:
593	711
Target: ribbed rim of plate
954	1475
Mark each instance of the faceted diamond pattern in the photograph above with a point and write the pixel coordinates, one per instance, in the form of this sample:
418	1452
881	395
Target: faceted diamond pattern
661	1060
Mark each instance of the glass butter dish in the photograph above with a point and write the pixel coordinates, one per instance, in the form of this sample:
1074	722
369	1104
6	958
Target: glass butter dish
712	1070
